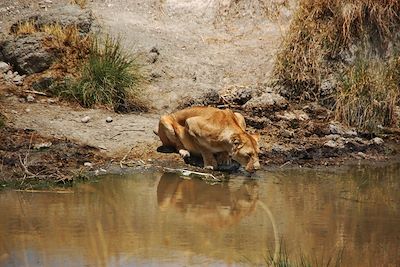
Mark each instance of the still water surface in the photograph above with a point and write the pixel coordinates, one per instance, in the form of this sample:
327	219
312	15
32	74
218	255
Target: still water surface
155	219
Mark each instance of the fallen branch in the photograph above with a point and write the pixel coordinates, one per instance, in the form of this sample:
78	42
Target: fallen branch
193	173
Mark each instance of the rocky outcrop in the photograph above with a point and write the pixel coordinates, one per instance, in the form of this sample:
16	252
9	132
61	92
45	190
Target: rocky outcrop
266	103
66	15
27	54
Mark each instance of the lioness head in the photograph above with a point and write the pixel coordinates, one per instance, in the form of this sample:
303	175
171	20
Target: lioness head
245	151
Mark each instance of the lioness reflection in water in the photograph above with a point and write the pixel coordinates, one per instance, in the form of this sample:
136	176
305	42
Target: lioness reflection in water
213	205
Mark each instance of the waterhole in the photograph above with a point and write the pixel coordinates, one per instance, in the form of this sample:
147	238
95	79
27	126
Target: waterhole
347	216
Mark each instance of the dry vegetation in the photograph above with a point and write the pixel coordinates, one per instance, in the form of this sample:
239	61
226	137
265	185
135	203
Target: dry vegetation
72	46
90	69
350	41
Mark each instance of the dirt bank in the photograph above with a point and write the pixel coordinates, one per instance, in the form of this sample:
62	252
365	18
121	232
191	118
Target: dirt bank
187	49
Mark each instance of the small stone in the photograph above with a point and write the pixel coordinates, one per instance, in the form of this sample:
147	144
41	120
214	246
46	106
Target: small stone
336	129
333	136
51	101
18	80
331	144
4	67
362	155
109	119
377	141
42	145
30	98
88	164
350	133
85	119
287	133
28	110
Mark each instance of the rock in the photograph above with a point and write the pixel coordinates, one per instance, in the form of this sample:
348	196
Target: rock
65	15
350	133
266	103
152	56
18	79
9	76
335	128
30	98
328	89
377	141
109	119
43	83
257	122
85	119
88	164
42	145
362	155
293	115
333	137
333	144
27	53
315	111
238	95
27	110
208	98
287	133
4	67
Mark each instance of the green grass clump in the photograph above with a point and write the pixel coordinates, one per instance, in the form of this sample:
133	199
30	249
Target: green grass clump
367	94
109	77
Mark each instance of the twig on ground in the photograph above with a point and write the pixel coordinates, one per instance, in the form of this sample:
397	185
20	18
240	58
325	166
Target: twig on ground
24	167
35	92
122	161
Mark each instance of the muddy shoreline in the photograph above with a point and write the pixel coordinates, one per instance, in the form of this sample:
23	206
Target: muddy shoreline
191	59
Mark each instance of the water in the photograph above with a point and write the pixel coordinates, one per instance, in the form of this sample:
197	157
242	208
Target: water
155	219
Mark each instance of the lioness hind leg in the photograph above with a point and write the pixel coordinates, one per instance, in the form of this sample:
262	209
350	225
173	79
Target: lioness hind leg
170	134
166	131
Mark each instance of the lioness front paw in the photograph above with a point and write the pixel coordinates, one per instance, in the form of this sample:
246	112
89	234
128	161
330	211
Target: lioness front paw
184	153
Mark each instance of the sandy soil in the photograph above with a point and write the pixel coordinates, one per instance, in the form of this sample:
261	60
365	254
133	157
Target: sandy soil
197	52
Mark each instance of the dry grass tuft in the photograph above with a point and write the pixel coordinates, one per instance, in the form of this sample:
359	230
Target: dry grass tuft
73	46
90	70
324	40
27	27
367	94
81	3
324	31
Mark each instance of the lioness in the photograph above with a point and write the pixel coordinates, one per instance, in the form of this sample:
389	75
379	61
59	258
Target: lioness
211	133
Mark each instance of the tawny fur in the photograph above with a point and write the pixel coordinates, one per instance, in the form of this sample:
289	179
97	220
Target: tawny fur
217	135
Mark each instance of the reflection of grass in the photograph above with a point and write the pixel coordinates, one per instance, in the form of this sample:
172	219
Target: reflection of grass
283	260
